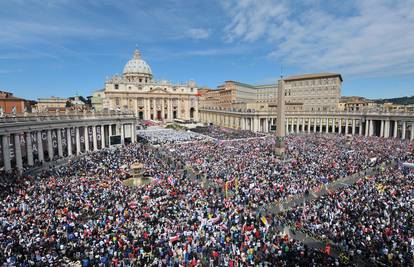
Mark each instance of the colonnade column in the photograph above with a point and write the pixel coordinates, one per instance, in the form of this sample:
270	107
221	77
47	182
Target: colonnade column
366	127
95	141
395	129
404	128
371	128
77	136
353	126
86	137
18	152
29	149
6	152
102	136
360	127
49	144
346	126
40	146
309	124
59	140
314	125
382	129
327	125
387	126
412	131
69	140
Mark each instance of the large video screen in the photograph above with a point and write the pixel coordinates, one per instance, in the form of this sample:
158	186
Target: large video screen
115	140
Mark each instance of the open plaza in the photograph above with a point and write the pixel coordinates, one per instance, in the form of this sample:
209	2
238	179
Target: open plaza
222	200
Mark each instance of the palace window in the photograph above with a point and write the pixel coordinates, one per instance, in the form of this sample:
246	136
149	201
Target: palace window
116	86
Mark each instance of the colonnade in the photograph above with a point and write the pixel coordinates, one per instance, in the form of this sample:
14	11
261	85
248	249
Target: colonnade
387	125
27	144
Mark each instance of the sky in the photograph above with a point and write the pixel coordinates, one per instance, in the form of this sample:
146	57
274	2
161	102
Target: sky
68	47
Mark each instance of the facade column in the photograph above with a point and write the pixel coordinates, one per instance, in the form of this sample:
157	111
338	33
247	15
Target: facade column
59	140
102	136
86	137
133	132
382	128
395	129
49	144
41	156
6	152
136	108
327	125
255	124
320	125
314	125
366	128
154	109
309	124
18	152
69	141
29	149
77	136
340	126
353	126
404	129
162	109
122	135
360	127
286	125
94	140
297	126
146	107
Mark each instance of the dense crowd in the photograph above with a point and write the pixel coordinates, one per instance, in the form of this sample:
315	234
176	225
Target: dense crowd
222	133
82	212
373	218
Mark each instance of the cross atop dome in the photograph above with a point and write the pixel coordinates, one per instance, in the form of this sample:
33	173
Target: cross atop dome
137	54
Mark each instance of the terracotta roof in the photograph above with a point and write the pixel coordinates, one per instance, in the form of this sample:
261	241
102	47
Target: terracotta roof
10	97
312	76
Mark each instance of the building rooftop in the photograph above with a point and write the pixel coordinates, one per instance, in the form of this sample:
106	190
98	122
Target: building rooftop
313	76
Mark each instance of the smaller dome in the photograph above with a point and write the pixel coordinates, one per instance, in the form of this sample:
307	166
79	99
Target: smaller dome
137	66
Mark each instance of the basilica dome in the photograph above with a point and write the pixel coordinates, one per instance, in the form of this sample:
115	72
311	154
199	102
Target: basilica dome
137	66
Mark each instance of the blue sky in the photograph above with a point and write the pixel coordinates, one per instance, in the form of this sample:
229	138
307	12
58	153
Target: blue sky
64	47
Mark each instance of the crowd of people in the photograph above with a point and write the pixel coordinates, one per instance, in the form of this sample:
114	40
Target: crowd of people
82	212
222	133
158	135
373	218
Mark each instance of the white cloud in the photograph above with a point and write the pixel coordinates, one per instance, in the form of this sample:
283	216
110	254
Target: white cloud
198	33
373	38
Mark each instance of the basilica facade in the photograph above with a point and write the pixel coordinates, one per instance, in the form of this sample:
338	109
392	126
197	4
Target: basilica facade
136	90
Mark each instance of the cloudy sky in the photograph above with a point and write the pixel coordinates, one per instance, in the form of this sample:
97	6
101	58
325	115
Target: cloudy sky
68	47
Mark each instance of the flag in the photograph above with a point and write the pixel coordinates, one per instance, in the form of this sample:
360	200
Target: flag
264	221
